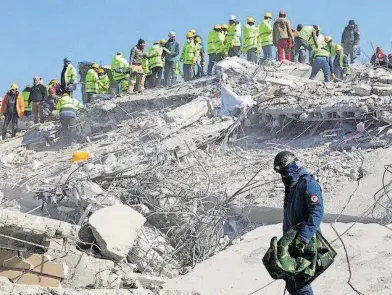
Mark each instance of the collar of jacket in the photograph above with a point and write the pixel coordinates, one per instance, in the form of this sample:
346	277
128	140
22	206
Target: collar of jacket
295	172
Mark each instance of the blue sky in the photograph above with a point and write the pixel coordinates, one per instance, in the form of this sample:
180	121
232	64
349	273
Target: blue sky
37	34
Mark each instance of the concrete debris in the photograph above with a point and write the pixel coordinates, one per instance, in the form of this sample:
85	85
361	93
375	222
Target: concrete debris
167	185
115	229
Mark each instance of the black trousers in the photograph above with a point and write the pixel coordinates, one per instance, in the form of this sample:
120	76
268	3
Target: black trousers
13	119
156	77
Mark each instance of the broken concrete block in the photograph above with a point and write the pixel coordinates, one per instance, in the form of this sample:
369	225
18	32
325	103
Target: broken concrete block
363	90
33	228
188	113
115	229
148	259
382	90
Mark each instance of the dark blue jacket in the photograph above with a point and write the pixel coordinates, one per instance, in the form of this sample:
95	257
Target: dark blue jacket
303	203
174	47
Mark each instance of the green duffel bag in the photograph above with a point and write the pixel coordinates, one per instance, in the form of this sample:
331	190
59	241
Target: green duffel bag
282	264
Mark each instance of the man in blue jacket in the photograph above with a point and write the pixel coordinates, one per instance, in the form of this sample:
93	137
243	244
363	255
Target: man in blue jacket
170	56
303	203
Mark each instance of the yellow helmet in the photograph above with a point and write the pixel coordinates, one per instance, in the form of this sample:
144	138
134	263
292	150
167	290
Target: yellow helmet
80	156
189	35
250	20
198	40
268	14
338	47
225	27
101	71
95	66
193	31
163	41
217	27
328	39
53	81
14	86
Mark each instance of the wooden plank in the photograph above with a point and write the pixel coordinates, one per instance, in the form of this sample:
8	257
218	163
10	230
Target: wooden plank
18	277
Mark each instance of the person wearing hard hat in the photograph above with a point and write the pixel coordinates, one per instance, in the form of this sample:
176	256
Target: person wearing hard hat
215	47
120	72
104	84
170	55
38	94
341	67
189	57
92	83
67	107
56	85
322	61
156	63
200	58
265	31
68	77
233	38
251	45
331	46
12	108
320	40
350	39
304	35
283	36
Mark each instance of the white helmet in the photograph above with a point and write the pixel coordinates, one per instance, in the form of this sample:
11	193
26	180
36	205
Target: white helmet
232	17
172	34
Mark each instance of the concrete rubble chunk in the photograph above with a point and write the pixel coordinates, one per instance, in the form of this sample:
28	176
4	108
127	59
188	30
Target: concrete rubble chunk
382	90
115	229
188	113
363	90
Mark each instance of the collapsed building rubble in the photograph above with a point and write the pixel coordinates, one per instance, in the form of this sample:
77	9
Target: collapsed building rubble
172	175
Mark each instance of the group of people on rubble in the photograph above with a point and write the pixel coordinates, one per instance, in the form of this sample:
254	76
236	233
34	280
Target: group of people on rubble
159	66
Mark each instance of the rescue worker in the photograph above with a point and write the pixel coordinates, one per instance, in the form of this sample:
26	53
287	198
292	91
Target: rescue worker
137	76
303	203
67	107
215	47
283	37
341	66
147	72
265	31
170	56
379	58
49	104
12	108
54	83
331	46
189	57
26	95
320	41
92	83
104	84
178	71
38	94
68	77
120	71
251	43
350	40
233	38
322	61
156	64
302	38
200	58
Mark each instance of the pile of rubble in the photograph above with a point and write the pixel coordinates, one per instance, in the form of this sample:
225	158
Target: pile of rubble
174	174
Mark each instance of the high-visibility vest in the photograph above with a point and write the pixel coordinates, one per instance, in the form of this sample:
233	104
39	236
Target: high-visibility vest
70	74
67	106
215	42
146	66
265	31
251	37
119	62
233	37
321	52
306	33
104	85
331	48
189	53
320	42
155	61
92	81
341	61
25	95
